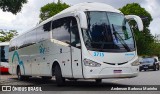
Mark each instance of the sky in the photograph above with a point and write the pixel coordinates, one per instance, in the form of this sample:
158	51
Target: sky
29	15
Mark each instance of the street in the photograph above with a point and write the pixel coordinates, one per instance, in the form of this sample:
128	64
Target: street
144	78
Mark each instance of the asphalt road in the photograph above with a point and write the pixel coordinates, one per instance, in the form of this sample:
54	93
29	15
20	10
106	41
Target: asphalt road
88	86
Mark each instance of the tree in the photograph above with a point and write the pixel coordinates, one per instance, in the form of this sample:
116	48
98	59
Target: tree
144	39
7	36
13	6
51	9
156	49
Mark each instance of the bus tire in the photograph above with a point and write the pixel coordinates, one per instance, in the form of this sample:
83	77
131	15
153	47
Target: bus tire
26	77
58	76
98	81
46	78
20	77
72	79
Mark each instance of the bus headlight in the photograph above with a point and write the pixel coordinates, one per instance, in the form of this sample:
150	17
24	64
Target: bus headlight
91	63
135	63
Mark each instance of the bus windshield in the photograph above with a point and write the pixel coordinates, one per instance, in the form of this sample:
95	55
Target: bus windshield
108	31
4	53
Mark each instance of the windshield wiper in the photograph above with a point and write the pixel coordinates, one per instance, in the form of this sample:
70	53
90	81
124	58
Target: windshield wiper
121	39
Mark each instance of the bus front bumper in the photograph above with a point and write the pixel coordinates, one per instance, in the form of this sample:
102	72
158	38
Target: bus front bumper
107	73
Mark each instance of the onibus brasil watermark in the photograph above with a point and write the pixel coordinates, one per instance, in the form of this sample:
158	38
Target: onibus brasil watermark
21	88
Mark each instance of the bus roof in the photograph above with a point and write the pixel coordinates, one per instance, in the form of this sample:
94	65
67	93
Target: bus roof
87	6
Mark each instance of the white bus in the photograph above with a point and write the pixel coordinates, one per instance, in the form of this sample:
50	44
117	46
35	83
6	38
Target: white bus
4	50
85	41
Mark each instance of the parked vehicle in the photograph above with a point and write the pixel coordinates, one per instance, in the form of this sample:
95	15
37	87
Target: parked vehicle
4	49
149	63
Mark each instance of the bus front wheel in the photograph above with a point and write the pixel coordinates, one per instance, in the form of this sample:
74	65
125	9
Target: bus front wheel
58	76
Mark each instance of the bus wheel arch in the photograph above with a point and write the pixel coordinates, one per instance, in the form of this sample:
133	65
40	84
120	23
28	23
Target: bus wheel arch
56	70
55	63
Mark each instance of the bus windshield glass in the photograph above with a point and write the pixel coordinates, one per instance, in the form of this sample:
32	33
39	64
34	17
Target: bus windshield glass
108	32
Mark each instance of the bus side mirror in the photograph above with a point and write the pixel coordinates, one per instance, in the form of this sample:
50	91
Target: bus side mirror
137	19
82	18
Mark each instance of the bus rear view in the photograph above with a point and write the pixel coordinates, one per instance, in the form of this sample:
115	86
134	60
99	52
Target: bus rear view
4	49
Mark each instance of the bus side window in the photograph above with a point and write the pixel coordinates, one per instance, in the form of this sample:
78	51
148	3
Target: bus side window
75	40
47	26
60	30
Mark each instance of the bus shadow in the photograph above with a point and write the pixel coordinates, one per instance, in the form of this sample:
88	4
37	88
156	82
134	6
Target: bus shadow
150	70
50	85
5	73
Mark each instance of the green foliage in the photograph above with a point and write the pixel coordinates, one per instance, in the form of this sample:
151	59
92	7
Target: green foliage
144	40
7	36
156	49
136	9
13	6
52	9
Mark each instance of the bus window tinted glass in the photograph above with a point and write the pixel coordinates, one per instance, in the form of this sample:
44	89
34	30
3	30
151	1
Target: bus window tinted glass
108	32
75	40
121	26
47	26
4	53
61	30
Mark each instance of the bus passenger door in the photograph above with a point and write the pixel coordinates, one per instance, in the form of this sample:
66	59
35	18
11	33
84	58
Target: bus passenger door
75	50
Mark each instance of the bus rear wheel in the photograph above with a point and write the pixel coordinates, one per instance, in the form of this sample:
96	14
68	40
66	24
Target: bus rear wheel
20	77
46	78
58	76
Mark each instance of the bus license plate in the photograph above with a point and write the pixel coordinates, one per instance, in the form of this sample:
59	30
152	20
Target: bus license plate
117	71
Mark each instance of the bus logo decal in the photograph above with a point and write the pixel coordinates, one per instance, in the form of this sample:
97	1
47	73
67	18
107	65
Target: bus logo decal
42	49
20	63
